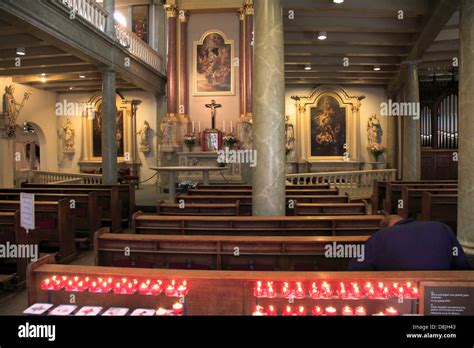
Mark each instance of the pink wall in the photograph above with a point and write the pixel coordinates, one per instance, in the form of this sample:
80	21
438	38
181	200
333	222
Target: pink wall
199	23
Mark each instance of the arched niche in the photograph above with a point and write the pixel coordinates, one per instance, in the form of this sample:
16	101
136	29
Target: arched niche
315	121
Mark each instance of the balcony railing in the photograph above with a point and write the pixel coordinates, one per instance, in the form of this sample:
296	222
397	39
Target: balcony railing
354	183
97	16
45	177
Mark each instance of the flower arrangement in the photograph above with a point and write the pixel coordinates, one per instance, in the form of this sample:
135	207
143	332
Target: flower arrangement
190	140
229	140
376	150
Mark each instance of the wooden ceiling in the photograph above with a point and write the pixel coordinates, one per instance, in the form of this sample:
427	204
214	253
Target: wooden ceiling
368	33
45	65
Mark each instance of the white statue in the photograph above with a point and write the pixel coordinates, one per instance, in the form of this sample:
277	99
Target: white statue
290	135
374	130
167	129
11	109
144	132
68	131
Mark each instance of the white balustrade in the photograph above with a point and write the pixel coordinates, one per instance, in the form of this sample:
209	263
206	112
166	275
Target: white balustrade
354	183
95	14
45	177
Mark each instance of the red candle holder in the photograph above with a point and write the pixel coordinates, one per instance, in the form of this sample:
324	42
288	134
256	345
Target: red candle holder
317	311
155	289
171	288
355	292
161	312
385	293
130	288
286	290
367	287
299	291
258	290
330	311
270	292
314	292
182	289
342	292
178	308
360	311
414	294
271	311
301	311
347	311
49	284
326	291
371	294
288	311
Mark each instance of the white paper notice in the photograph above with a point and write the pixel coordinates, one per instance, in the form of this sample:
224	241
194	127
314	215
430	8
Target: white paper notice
27	211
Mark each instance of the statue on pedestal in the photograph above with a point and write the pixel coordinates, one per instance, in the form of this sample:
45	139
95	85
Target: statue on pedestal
247	134
144	132
11	109
168	137
213	106
68	131
374	130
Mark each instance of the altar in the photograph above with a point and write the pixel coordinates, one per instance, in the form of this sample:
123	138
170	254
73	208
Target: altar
208	158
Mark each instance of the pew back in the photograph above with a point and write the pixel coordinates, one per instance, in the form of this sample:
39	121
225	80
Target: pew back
11	232
443	208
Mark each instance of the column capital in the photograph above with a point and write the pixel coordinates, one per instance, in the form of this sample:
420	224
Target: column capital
248	8
183	16
241	12
171	10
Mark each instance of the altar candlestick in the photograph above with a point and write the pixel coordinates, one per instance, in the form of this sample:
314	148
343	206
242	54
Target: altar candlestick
223	126
192	126
199	127
231	128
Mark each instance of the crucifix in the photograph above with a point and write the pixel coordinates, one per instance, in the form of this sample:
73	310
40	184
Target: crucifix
213	106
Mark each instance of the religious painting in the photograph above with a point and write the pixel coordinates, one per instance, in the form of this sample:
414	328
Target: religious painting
328	128
140	21
213	71
97	133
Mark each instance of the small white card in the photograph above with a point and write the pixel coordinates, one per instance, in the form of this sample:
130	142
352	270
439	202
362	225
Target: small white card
38	308
141	312
115	311
89	311
63	310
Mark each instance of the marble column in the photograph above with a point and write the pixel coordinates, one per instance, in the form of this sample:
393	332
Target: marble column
249	48
392	143
268	195
109	6
183	66
411	126
109	128
171	13
465	232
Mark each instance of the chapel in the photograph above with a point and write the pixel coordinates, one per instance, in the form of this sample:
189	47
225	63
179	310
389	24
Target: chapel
236	157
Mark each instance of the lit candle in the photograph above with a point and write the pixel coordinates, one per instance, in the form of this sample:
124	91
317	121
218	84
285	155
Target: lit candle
178	308
342	293
360	311
317	311
118	288
355	291
385	293
183	288
286	292
231	127
314	292
367	287
46	284
326	291
144	288
192	125
288	311
271	311
299	293
155	289
130	289
401	292
223	126
371	294
330	311
258	311
391	311
415	293
199	126
170	289
301	311
161	312
347	311
258	291
271	293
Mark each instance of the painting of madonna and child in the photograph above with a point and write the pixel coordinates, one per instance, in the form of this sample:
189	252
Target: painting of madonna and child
328	128
213	73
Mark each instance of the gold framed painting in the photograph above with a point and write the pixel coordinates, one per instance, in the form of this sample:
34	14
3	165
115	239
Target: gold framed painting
213	72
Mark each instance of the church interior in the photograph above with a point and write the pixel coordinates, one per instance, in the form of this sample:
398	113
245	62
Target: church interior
236	157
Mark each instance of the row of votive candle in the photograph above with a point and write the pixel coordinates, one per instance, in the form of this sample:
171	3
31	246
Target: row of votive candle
318	311
342	290
118	286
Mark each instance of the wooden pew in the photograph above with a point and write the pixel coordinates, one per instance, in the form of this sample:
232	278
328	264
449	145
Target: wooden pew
110	205
378	196
12	270
85	212
126	194
412	200
198	209
443	208
257	225
52	221
393	192
249	187
246	201
319	209
219	252
309	192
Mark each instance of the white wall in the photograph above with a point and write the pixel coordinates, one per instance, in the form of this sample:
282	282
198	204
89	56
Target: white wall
39	111
369	106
